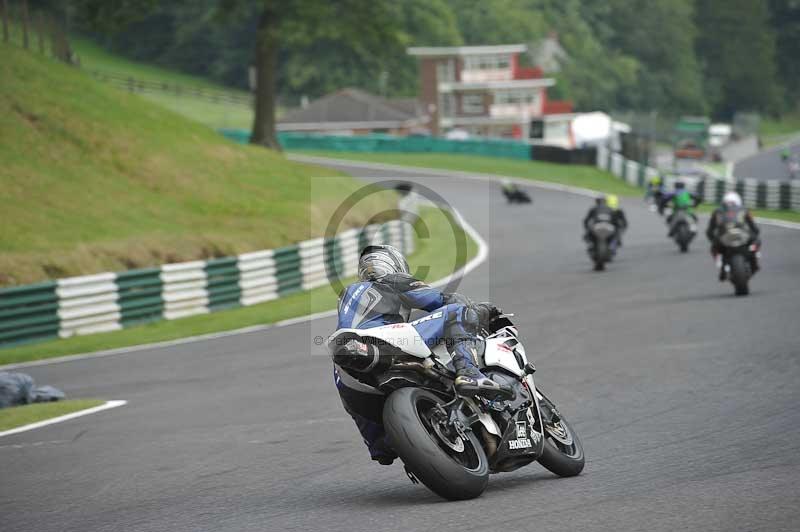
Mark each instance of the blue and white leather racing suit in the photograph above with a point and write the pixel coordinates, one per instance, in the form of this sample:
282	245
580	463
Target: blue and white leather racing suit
391	299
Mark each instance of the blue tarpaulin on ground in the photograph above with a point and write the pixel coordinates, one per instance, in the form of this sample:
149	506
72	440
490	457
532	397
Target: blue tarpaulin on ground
20	389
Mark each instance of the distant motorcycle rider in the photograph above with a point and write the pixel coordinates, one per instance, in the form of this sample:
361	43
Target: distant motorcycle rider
731	212
655	190
602	212
513	193
681	200
385	294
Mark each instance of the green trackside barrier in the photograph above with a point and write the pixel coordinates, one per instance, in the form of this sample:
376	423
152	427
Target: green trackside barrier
388	143
287	269
222	283
28	312
140	299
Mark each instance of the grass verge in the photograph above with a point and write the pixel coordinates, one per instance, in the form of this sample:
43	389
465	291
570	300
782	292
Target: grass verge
436	252
574	175
17	416
775	131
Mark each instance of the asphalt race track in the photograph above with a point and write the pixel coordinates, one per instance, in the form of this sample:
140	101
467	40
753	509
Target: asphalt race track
767	164
686	399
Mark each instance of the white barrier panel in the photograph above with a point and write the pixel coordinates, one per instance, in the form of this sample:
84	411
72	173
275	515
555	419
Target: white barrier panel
184	289
88	304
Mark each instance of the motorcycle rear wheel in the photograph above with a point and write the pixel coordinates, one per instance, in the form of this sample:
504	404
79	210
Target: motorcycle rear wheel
740	275
433	458
682	238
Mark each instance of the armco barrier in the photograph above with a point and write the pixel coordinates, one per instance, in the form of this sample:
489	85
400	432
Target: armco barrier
390	144
110	301
771	194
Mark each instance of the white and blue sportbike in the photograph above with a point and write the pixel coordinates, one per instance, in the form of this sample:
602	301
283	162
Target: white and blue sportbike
449	442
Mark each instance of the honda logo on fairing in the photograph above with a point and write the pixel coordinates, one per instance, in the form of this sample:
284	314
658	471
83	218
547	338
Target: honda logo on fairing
520	443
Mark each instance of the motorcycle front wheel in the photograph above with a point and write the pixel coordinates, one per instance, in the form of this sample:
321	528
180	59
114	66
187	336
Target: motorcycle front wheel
449	466
562	452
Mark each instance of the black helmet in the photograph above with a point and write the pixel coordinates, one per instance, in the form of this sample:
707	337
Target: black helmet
600	200
680	185
380	260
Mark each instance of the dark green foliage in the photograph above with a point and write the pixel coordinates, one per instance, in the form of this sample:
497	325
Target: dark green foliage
737	50
673	56
786	21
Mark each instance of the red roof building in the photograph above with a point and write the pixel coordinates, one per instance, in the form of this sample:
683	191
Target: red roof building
483	90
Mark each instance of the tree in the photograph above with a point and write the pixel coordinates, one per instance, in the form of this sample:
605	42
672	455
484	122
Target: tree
786	22
660	36
737	49
594	76
366	26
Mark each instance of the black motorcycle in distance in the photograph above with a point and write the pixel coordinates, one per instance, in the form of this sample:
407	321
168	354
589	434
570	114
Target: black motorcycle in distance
514	194
683	229
601	243
451	443
738	255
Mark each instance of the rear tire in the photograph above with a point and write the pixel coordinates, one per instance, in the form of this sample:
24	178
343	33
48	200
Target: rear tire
424	453
600	256
682	238
740	275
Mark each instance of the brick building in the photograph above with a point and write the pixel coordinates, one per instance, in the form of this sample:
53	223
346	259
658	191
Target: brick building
482	89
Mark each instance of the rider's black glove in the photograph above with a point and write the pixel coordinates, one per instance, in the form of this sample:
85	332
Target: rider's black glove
486	312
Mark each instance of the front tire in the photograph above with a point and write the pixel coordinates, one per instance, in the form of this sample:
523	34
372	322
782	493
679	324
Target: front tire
556	460
433	460
562	452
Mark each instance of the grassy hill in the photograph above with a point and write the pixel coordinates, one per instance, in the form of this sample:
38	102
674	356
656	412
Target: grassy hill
94	179
214	114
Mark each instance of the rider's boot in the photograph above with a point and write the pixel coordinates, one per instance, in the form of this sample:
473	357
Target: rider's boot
469	379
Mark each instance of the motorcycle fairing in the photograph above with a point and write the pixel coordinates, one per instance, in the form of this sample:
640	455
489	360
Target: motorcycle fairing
521	444
400	335
501	355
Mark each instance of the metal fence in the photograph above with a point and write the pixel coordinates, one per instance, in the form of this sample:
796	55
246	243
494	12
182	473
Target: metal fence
132	84
769	194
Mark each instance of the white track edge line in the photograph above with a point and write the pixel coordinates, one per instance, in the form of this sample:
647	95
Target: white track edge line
480	257
66	417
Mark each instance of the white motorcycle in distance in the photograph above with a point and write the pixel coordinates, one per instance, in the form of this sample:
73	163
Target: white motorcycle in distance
451	443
